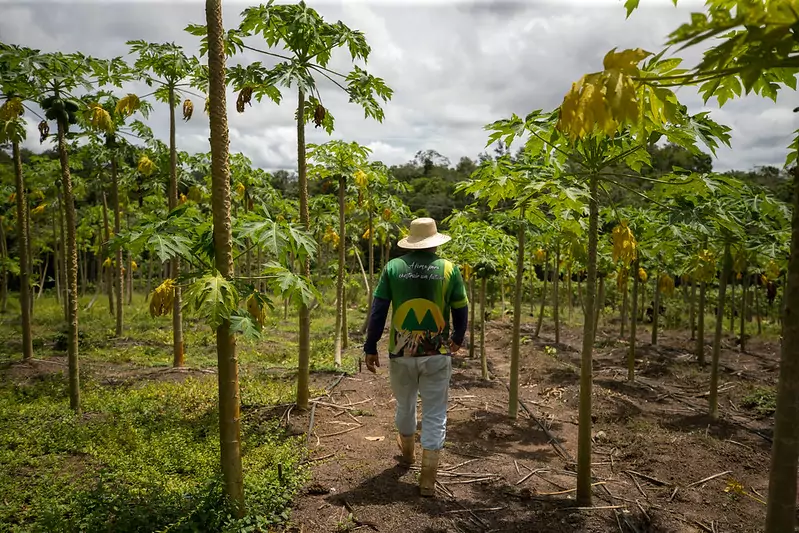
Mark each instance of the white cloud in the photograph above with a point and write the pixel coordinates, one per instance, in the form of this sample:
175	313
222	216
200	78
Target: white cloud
454	65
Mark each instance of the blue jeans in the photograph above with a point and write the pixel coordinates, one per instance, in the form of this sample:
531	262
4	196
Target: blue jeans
429	377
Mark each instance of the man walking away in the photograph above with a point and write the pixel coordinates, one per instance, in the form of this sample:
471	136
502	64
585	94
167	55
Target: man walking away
422	289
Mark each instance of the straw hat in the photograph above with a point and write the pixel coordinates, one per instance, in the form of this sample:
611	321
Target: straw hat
423	234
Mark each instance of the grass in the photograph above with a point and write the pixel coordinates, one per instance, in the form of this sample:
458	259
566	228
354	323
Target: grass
144	453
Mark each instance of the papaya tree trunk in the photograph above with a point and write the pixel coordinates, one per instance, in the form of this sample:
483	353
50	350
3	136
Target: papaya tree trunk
570	302
483	357
24	259
342	258
624	302
714	369
3	268
63	265
556	295
744	294
656	309
305	315
43	276
178	355
109	272
643	301
781	507
532	282
633	324
57	260
757	310
599	303
471	319
732	306
345	332
586	369
117	266
228	372
72	271
513	405
543	295
692	309
700	324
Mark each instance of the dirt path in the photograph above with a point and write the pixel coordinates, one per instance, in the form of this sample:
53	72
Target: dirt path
652	447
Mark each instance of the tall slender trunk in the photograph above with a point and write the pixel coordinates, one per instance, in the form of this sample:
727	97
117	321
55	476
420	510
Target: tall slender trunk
117	266
3	269
503	306
30	253
229	401
483	357
781	509
532	282
543	295
633	324
63	265
732	306
700	326
177	306
625	297
109	272
24	259
656	309
599	303
692	309
43	276
473	303
345	332
72	270
513	405
714	369
57	259
569	291
556	295
586	369
643	301
757	310
305	315
342	259
744	294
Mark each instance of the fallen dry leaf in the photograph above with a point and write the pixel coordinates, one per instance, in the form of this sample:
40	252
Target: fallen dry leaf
373	439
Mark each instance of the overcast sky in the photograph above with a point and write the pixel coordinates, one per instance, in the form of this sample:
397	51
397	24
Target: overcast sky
454	67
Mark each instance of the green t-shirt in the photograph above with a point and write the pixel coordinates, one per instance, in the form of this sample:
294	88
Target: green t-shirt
422	288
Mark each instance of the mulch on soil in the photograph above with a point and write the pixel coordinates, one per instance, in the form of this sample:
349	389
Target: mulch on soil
659	463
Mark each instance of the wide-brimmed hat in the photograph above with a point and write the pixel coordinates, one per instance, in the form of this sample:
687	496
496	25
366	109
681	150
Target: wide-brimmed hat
423	234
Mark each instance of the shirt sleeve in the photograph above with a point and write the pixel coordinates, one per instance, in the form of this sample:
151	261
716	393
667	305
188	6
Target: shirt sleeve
457	298
377	322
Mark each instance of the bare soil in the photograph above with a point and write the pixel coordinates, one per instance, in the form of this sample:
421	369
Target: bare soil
660	464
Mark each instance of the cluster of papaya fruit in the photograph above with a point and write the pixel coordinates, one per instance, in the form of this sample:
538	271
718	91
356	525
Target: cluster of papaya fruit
61	110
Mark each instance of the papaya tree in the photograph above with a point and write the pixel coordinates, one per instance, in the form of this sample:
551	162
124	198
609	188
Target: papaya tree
229	400
345	163
595	133
167	67
303	43
58	77
17	85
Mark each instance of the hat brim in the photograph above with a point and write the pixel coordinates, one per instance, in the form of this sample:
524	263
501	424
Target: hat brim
430	242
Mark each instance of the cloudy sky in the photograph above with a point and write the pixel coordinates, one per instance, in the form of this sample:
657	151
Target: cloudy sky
454	67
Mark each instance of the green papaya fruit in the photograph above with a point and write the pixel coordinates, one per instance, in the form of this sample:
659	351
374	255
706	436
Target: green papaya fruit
72	118
58	104
71	106
50	114
47	103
